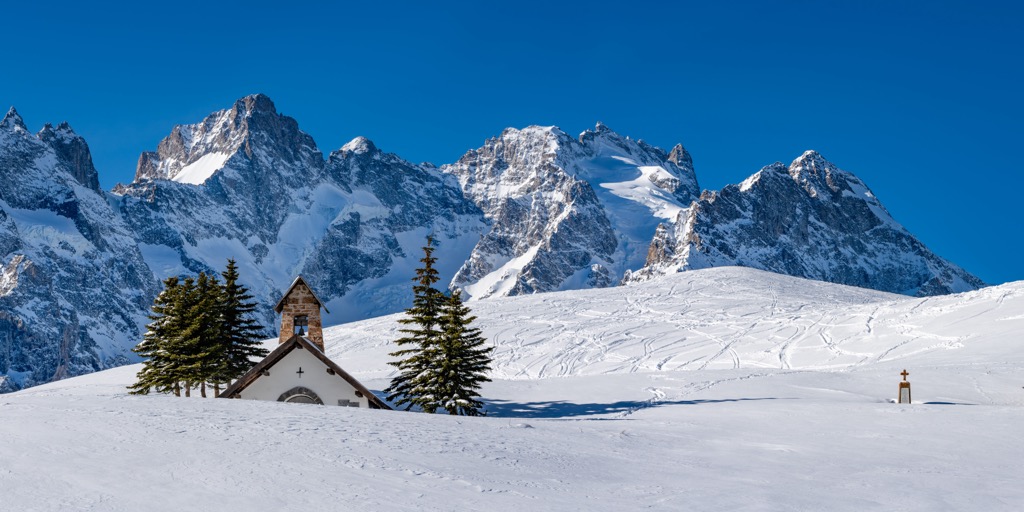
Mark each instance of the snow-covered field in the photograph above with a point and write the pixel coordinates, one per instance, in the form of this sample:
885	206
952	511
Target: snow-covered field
720	389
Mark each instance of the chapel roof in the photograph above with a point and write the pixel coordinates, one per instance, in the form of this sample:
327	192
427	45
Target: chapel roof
299	279
297	342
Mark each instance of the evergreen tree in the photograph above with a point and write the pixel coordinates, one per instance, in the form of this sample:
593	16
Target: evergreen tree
420	348
159	333
209	315
181	347
196	350
240	333
464	361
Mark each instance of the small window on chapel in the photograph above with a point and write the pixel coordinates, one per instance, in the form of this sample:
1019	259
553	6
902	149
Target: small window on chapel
301	325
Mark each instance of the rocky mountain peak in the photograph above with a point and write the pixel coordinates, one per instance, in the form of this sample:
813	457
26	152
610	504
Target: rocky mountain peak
601	131
194	153
680	156
73	152
255	103
811	165
12	121
63	131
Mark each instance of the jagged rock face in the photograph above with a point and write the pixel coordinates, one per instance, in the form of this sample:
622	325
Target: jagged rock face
810	219
73	285
246	183
72	152
566	213
192	153
374	245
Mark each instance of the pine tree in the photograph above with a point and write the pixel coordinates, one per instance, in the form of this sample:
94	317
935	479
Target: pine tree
159	333
196	350
201	332
240	333
420	347
464	360
180	348
212	350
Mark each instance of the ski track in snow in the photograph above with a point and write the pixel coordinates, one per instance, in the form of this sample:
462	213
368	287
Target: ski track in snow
726	318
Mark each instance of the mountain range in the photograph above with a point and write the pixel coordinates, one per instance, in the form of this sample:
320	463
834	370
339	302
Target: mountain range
532	210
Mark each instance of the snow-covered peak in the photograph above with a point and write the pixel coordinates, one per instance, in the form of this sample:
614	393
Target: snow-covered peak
520	147
359	145
532	132
13	122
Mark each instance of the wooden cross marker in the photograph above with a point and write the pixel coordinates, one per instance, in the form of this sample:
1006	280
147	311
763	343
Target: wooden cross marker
300	372
904	391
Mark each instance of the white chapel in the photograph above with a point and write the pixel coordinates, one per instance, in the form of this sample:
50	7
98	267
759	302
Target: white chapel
298	370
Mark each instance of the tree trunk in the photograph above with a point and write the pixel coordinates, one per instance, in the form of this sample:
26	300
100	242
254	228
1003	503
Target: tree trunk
216	390
188	390
202	389
177	389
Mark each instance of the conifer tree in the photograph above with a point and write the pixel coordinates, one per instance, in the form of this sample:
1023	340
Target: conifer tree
163	324
200	332
240	333
419	349
196	350
464	360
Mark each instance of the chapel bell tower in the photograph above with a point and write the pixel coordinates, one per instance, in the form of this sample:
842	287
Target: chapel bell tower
300	313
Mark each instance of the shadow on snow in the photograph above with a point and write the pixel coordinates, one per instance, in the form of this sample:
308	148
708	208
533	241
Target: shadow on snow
563	409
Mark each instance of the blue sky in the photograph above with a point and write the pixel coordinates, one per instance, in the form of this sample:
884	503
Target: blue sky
920	99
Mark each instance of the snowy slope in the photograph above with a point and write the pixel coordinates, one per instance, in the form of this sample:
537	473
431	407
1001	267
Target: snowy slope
719	318
612	432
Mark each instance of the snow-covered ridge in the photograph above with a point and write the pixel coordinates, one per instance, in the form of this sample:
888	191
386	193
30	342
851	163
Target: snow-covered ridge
810	219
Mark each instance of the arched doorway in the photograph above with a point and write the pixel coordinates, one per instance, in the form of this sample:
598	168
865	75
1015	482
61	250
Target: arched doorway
300	395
